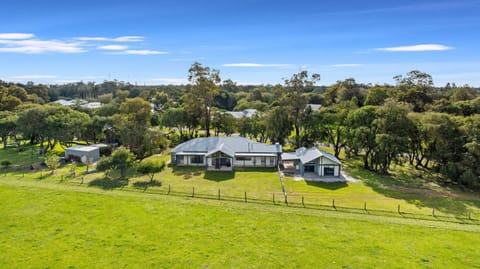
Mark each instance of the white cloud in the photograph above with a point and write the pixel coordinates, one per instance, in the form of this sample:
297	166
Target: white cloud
131	38
112	47
143	52
128	38
91	38
172	81
28	44
346	65
420	47
41	46
255	65
15	36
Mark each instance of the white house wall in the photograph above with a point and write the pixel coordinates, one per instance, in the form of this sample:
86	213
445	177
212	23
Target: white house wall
255	161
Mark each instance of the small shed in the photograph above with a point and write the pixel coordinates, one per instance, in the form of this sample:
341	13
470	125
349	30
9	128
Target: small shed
83	153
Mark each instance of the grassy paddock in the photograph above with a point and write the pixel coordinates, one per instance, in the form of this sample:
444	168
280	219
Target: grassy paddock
60	227
417	197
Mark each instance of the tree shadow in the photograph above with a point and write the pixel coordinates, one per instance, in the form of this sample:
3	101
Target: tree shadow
146	184
187	172
327	185
219	175
108	183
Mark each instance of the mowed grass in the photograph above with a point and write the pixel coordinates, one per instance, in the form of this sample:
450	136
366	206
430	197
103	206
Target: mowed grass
61	227
378	193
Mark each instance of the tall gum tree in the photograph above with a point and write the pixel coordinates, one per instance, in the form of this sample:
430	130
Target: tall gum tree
200	95
295	100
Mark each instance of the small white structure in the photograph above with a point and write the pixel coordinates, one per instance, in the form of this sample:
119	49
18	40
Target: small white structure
247	113
311	161
85	154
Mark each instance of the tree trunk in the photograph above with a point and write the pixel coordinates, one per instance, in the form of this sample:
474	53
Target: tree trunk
297	135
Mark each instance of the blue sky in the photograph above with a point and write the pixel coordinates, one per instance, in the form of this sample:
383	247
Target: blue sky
251	42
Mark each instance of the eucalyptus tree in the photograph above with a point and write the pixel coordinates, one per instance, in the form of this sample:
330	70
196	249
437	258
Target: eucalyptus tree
201	92
295	100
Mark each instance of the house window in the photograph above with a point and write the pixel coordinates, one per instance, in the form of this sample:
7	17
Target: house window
272	161
264	161
196	159
328	171
179	159
243	158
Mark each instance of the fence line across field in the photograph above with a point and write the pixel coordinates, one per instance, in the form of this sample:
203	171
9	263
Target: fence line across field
261	198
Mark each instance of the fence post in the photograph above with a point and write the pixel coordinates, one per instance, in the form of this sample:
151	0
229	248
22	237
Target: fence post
193	192
303	201
273	198
218	193
168	189
365	205
82	179
333	203
433	211
245	197
398	209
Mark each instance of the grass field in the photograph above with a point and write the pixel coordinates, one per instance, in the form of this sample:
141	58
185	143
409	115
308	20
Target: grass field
54	226
89	220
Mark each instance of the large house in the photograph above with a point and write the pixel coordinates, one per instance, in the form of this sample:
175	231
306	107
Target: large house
312	160
225	153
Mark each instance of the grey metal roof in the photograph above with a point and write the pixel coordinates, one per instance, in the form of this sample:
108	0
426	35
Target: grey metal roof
307	155
229	144
245	113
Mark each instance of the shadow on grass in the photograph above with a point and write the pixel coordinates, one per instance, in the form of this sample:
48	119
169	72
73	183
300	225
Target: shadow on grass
187	172
108	183
414	186
219	175
327	185
146	184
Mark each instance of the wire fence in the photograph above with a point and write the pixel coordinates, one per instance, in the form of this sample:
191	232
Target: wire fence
280	198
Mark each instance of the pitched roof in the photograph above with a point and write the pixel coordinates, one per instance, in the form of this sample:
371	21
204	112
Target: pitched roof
307	155
228	145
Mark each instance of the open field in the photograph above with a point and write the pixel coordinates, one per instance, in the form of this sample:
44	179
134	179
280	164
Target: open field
92	220
54	225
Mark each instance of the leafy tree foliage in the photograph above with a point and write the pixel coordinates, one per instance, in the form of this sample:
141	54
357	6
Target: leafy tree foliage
200	95
132	123
150	167
294	99
52	162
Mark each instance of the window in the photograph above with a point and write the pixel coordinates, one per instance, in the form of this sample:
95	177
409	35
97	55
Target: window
179	159
264	161
272	160
243	158
328	171
196	159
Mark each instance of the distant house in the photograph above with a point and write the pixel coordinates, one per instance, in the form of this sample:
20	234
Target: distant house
314	107
247	113
82	103
311	160
84	154
225	153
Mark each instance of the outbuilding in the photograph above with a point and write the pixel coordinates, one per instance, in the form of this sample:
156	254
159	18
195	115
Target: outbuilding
311	161
84	154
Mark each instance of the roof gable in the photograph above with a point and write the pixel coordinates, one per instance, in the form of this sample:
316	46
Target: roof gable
307	155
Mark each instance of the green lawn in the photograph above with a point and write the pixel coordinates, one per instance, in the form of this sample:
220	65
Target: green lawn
382	194
60	226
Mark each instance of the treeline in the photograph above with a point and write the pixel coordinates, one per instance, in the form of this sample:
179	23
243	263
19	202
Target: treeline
431	127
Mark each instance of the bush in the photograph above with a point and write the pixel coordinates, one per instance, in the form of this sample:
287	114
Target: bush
5	163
